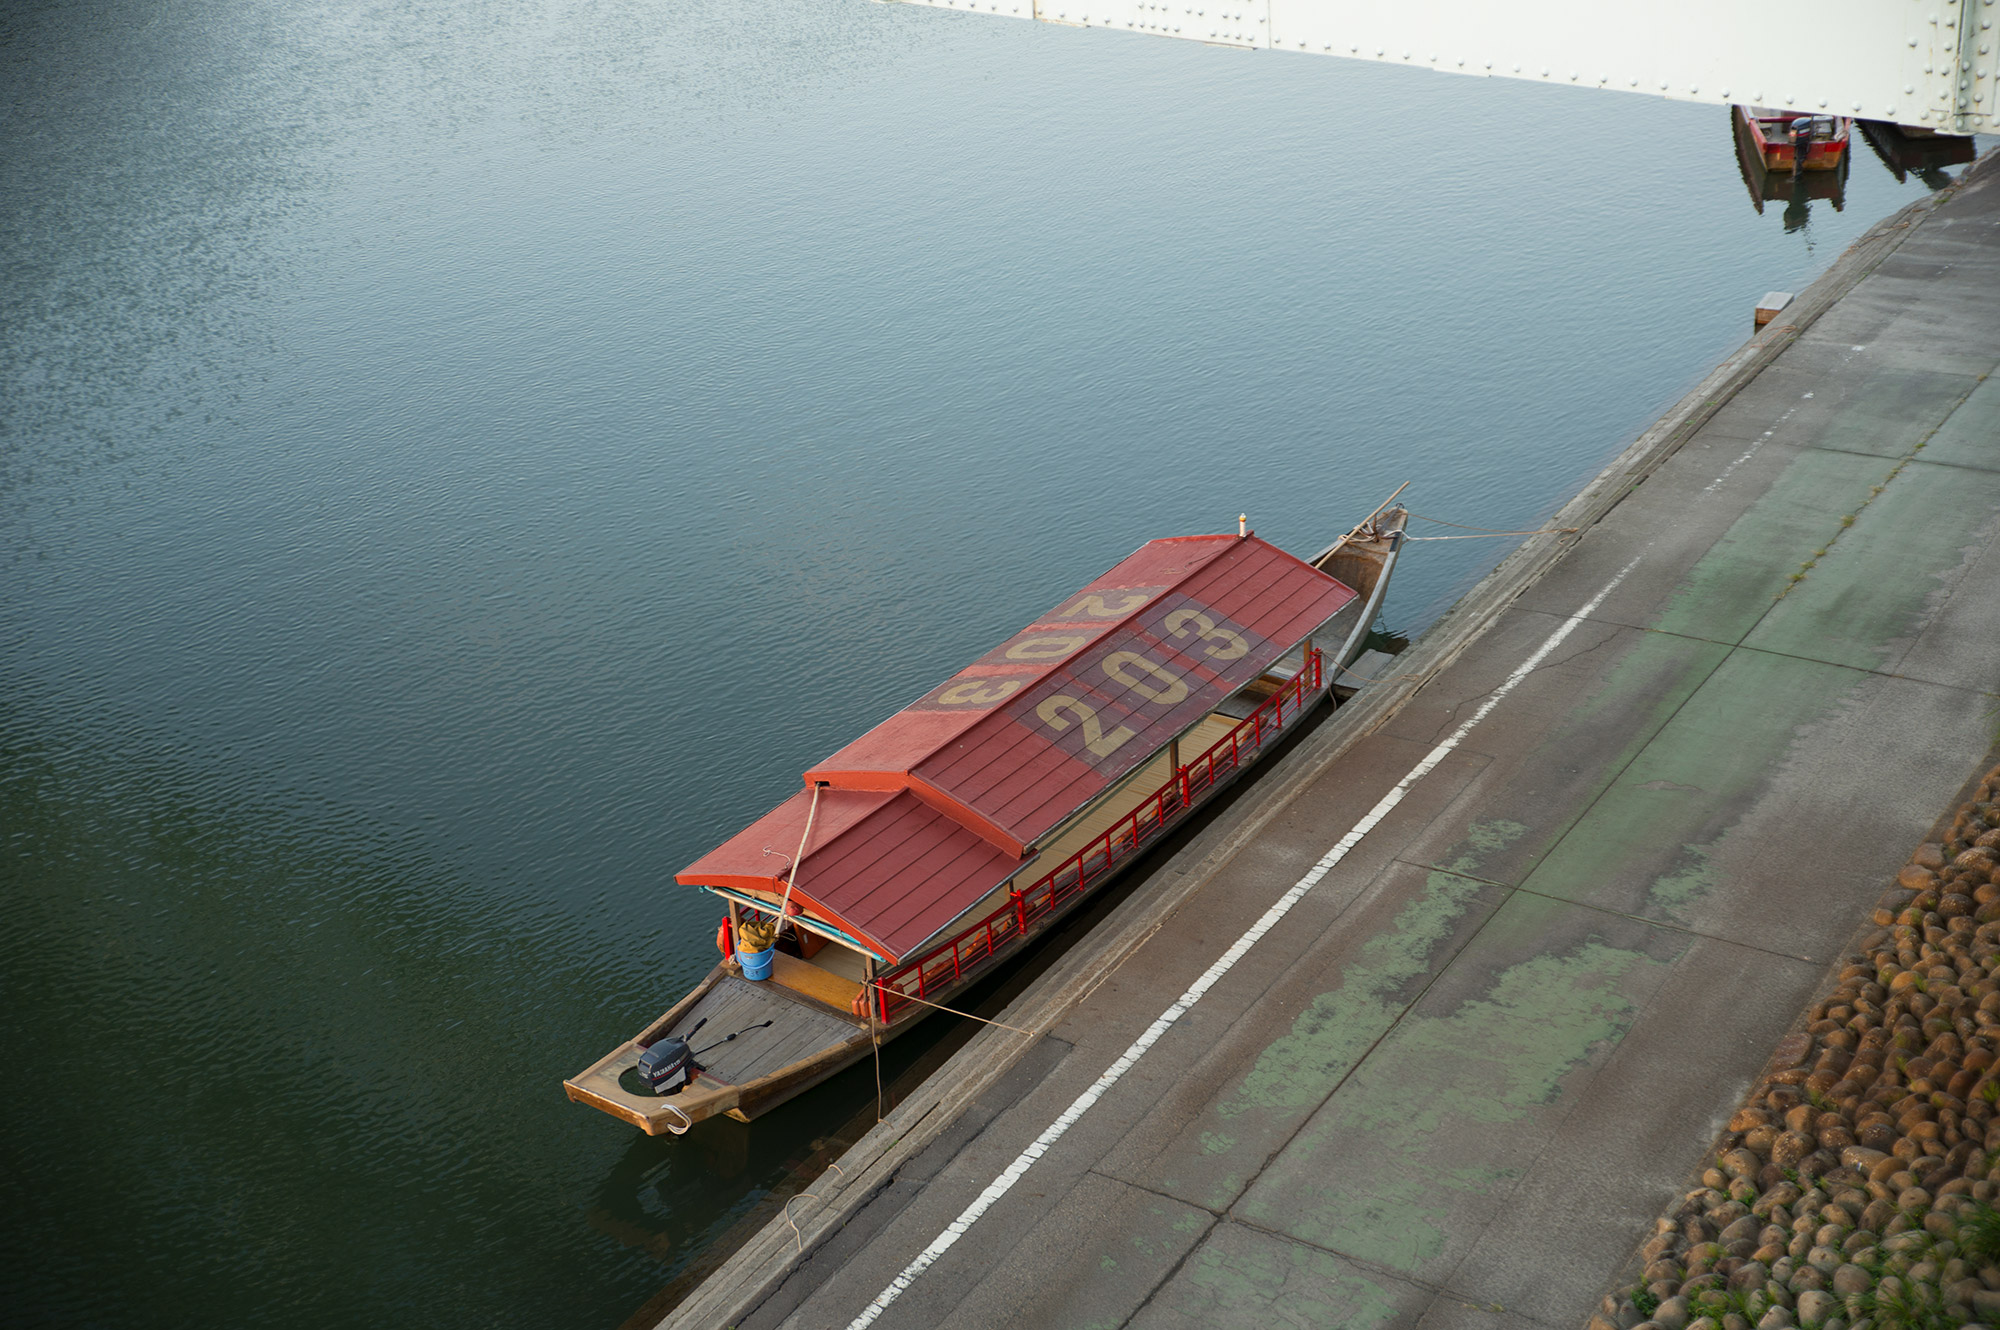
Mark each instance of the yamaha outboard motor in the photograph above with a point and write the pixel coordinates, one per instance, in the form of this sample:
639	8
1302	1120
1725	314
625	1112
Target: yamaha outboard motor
669	1064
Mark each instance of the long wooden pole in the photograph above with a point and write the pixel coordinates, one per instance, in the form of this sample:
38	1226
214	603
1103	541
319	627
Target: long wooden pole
1358	526
874	1033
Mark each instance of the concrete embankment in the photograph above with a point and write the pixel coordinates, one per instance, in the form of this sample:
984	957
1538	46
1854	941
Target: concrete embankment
1441	1016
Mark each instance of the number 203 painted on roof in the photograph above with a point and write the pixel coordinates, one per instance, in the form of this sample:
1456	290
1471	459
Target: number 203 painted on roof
1147	678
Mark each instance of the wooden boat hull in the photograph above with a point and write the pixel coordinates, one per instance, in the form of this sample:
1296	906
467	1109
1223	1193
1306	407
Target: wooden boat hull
825	1040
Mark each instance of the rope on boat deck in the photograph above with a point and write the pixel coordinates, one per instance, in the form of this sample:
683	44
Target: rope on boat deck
1487	532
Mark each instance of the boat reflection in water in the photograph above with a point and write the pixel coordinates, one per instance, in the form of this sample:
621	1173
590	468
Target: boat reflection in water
1795	190
1917	152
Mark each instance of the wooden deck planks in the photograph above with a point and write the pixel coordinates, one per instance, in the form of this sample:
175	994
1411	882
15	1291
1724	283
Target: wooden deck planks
734	1004
799	1046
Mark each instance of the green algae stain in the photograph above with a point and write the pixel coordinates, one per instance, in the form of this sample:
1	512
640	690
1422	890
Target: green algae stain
1674	892
1482	839
1542	1018
1300	1068
1635	703
1641	693
1691	781
1273	1282
1399	1223
1378	1156
1294	1075
1732	586
1877	589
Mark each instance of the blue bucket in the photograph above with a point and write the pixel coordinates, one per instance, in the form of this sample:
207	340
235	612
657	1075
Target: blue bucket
756	964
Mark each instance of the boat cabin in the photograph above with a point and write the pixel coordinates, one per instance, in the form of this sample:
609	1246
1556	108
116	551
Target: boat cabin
936	811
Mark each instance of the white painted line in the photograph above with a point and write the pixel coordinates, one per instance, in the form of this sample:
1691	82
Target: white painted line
1082	1103
1751	451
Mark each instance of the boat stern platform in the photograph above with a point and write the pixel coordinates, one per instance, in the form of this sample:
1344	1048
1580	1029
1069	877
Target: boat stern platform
805	1039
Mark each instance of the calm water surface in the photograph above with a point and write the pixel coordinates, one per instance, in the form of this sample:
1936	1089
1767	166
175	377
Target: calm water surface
461	460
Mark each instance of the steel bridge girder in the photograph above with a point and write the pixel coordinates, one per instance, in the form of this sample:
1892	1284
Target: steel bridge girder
1928	64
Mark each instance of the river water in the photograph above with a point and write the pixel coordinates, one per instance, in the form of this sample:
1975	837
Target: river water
462	460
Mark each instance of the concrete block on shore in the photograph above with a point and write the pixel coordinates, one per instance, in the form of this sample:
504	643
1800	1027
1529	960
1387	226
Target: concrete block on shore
1771	305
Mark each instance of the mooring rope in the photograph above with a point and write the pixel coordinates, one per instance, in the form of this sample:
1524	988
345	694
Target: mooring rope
1380	678
1492	535
805	1196
1487	532
792	873
937	1006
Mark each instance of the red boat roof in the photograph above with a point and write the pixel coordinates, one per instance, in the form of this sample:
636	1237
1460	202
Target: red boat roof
959	786
883	867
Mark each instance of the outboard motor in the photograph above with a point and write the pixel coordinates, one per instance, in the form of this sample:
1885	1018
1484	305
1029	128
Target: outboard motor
669	1064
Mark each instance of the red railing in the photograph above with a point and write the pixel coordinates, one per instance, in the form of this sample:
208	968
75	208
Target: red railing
950	961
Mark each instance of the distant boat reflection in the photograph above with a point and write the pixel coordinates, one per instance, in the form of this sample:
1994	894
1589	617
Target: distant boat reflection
1917	153
1796	190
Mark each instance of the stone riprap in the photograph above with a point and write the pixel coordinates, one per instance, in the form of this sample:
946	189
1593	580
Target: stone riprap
1856	1187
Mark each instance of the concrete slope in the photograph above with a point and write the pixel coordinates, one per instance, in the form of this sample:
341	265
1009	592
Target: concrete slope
1450	1085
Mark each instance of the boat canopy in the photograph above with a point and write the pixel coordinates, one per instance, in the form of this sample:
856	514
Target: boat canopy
926	814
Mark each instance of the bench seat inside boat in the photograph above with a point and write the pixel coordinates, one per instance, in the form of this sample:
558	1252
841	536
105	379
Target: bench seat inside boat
815	982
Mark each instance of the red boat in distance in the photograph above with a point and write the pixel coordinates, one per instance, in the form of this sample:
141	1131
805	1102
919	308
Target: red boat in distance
1774	136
